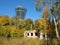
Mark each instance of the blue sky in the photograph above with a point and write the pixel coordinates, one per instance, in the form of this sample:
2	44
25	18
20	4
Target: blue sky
8	7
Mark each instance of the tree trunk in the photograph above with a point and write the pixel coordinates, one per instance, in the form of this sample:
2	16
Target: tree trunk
57	34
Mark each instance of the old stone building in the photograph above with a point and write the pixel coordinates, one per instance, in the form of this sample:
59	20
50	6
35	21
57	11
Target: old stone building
35	34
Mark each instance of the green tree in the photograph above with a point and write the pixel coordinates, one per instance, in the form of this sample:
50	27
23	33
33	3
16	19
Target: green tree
5	30
39	24
29	24
21	24
56	15
55	11
15	21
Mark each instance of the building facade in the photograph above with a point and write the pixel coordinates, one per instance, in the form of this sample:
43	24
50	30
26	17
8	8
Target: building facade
20	12
35	34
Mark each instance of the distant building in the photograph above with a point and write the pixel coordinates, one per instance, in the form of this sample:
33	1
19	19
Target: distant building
20	12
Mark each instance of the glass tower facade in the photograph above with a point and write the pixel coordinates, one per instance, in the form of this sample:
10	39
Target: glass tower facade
20	12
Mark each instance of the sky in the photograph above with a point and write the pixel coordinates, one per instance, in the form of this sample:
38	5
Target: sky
7	7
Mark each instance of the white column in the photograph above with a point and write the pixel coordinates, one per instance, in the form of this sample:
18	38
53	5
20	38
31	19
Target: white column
29	34
33	34
41	35
46	36
24	34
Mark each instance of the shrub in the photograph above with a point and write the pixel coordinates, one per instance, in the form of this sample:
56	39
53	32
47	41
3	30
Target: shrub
14	33
1	33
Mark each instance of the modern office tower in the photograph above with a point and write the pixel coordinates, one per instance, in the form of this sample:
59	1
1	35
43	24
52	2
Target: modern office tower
20	12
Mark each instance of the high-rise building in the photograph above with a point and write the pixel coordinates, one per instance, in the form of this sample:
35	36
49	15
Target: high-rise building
20	12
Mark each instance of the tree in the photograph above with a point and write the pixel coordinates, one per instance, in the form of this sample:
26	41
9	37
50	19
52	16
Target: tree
38	4
39	24
56	15
14	20
5	20
21	24
46	15
55	11
29	24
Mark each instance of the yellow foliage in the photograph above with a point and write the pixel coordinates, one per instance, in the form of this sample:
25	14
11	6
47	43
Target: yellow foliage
46	12
4	20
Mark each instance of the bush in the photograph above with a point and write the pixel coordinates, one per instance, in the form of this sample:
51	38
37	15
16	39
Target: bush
14	33
1	33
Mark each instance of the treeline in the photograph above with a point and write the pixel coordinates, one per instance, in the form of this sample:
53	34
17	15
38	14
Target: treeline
12	27
50	22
